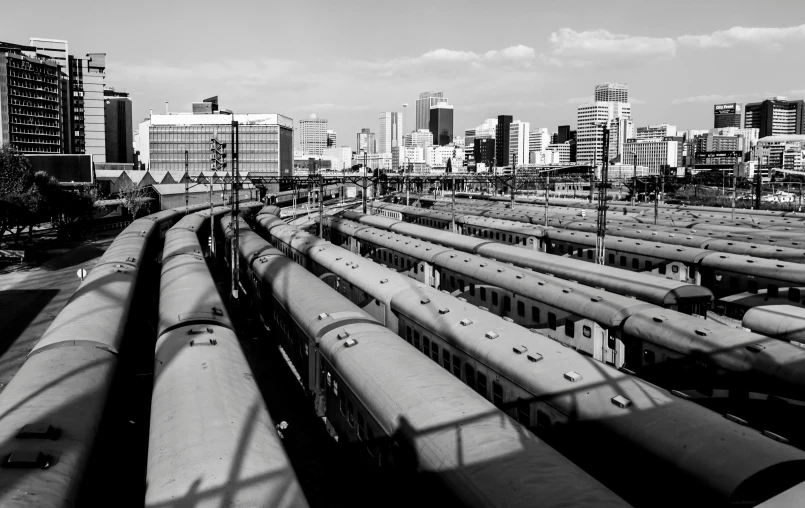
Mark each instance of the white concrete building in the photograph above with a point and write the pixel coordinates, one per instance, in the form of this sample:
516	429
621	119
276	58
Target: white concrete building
518	141
390	134
653	154
420	138
341	157
313	135
590	135
539	139
563	150
620	129
656	131
612	92
545	157
487	129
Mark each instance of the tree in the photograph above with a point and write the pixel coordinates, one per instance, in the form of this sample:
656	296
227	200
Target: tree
18	201
16	174
134	198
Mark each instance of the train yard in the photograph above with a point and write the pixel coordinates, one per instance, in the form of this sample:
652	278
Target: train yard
464	352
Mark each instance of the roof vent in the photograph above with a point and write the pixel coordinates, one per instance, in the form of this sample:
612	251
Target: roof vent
199	330
572	376
733	418
462	298
519	349
596	298
424	301
322	316
755	348
621	401
659	319
27	459
383	281
465	322
343	335
491	335
679	394
567	290
704	332
776	437
444	310
38	431
350	343
534	357
483	265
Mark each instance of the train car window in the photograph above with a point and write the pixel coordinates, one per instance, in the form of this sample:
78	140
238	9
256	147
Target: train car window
580	253
370	438
472	289
635	263
552	321
718	277
524	241
570	251
469	375
753	286
435	352
483	294
361	426
523	411
543	420
350	413
409	263
589	254
342	399
561	249
416	339
494	298
534	314
497	235
507	303
396	259
793	295
611	341
674	269
497	394
457	366
612	258
648	266
461	284
426	345
481	385
570	328
661	268
648	356
587	331
517	239
772	291
416	266
408	334
521	309
510	238
446	360
623	260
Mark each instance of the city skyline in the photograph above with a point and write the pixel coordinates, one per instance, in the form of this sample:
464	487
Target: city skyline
675	64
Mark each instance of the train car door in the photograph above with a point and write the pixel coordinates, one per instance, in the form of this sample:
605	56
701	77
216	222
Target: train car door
613	347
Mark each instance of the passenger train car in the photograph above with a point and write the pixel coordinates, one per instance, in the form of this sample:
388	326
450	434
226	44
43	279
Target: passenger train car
53	407
784	322
630	434
212	440
402	413
681	296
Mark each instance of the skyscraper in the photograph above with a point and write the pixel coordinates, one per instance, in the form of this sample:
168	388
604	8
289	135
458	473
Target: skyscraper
590	120
390	134
441	123
518	142
366	142
502	140
727	115
423	104
538	140
117	120
612	92
332	139
313	135
774	116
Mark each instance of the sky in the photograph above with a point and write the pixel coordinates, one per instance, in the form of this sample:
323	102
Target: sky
349	60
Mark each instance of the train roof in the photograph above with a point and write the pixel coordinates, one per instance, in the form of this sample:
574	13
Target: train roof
784	322
689	255
793	273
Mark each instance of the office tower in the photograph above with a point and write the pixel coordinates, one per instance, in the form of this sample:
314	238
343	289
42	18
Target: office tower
30	100
538	140
89	74
423	104
488	129
656	131
119	136
313	135
390	133
774	116
420	138
441	123
469	138
265	142
727	115
502	140
612	92
332	139
518	143
653	154
563	134
366	142
590	120
620	130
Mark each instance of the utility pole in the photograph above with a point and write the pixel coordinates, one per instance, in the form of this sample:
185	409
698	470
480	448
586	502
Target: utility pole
547	196
186	184
758	187
656	197
218	159
321	204
734	184
364	182
514	179
634	179
235	209
600	241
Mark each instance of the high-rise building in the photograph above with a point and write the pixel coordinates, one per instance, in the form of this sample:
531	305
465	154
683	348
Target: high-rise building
391	131
518	142
487	129
118	136
469	138
620	130
420	138
538	140
657	131
612	92
265	142
30	100
87	77
563	134
775	116
590	120
423	104
502	140
366	142
332	139
484	151
441	123
727	115
656	155
313	135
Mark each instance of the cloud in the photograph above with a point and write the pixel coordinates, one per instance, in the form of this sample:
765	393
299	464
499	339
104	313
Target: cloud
636	100
771	38
577	49
708	99
580	100
797	92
